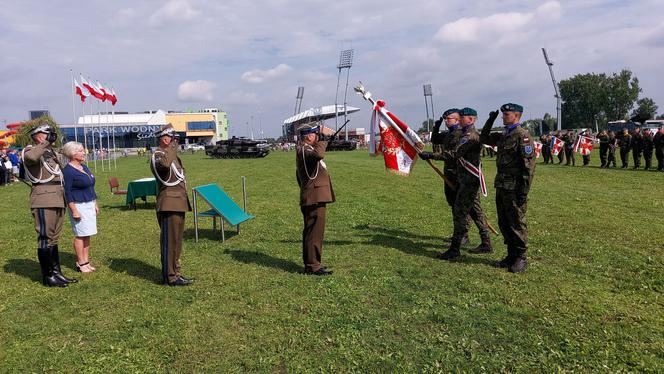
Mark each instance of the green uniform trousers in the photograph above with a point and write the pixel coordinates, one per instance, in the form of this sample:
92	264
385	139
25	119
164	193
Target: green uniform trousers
170	243
512	222
48	224
312	235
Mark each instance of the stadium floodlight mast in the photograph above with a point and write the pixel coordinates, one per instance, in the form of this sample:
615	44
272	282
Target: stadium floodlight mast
298	100
555	88
345	62
428	93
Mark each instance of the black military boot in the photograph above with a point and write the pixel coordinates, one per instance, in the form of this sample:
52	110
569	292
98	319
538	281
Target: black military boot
484	247
48	279
508	260
519	263
55	266
453	252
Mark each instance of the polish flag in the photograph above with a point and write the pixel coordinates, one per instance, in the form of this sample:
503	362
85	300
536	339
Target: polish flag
556	145
398	142
112	97
538	149
101	89
79	91
91	88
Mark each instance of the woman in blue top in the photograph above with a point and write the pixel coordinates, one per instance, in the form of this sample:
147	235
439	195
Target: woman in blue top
82	202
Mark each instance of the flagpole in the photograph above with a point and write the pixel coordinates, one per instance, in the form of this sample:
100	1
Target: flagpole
108	139
94	149
73	103
85	133
115	160
101	138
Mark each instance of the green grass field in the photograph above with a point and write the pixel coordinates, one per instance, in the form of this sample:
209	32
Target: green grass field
591	299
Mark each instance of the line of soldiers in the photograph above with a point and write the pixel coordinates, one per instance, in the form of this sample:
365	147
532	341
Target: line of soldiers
640	144
460	147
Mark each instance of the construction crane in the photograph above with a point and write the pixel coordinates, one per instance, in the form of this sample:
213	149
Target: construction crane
555	88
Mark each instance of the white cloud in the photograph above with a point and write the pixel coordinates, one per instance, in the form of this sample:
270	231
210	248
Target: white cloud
196	91
500	26
260	76
174	10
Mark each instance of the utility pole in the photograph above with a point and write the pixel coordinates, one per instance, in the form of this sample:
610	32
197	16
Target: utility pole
555	88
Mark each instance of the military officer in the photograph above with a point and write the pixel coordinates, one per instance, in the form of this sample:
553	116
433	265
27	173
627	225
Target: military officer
545	139
516	168
648	147
172	203
444	146
315	193
585	158
625	143
613	144
603	137
469	177
637	147
658	142
47	201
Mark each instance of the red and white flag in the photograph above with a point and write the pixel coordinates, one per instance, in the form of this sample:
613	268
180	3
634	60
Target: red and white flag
556	145
102	90
79	91
113	97
538	149
92	89
398	142
583	145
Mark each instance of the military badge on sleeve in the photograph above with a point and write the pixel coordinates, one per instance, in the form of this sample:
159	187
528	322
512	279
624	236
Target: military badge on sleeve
528	150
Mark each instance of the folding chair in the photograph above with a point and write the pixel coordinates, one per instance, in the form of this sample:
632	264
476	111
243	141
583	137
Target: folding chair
113	182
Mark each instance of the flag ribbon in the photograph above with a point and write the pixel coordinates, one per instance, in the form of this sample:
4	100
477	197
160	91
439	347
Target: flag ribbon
476	171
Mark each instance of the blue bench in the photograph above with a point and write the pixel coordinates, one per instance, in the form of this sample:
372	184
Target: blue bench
222	206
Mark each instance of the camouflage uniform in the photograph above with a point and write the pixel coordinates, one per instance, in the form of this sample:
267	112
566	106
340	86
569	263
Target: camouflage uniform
467	201
569	139
637	148
603	148
658	141
648	147
516	168
625	143
613	144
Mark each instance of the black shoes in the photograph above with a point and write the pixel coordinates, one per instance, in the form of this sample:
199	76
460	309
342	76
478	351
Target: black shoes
46	260
181	281
482	248
449	255
505	262
518	266
320	272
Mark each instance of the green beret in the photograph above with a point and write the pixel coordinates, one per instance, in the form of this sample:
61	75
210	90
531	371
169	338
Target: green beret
450	111
468	112
511	107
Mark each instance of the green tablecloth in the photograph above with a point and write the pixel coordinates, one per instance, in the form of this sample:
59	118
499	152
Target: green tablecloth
141	188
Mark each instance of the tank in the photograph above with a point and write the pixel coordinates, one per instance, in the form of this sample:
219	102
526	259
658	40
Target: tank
341	145
237	148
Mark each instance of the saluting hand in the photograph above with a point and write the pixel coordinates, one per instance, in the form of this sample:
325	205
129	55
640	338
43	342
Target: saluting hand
493	115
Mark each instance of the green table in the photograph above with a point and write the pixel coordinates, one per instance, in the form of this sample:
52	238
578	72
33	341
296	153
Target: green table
141	188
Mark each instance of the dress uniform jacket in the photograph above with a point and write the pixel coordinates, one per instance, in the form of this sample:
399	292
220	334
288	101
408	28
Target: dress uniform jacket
312	176
50	194
170	198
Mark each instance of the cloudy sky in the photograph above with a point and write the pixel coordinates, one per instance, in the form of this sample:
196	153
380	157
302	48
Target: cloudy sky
249	57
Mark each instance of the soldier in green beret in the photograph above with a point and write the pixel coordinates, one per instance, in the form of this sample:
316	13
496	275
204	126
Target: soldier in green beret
444	144
469	177
516	167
